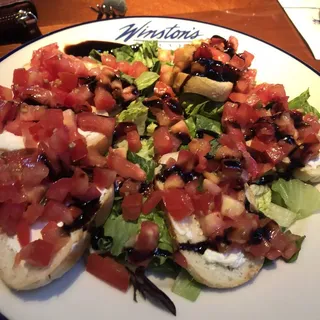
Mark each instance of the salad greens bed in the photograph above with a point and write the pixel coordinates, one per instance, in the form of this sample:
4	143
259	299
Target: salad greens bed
283	201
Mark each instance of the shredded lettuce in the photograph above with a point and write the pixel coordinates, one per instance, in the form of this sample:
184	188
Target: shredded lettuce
119	230
191	126
122	231
147	150
301	102
205	123
151	127
186	287
95	55
146	52
260	198
298	196
146	79
194	104
136	112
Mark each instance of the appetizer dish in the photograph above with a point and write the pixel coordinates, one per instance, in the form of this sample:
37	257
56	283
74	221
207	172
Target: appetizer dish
147	160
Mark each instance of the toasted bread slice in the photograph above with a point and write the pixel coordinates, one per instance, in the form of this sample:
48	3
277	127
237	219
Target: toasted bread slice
213	90
27	277
215	274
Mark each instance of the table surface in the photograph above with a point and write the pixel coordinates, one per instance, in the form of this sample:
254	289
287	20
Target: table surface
264	19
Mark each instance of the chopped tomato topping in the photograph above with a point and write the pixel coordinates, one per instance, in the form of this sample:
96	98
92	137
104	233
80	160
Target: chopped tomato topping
148	237
103	99
131	206
109	271
57	212
33	212
162	141
23	233
134	143
152	201
103	178
178	203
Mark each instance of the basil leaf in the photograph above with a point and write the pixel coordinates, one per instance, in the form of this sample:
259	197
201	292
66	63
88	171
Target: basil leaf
146	79
301	102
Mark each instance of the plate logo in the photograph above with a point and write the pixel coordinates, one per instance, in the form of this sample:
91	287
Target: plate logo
135	31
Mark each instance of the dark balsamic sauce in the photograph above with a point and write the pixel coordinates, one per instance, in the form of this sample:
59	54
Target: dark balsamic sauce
183	137
83	49
174	106
89	209
186	176
138	256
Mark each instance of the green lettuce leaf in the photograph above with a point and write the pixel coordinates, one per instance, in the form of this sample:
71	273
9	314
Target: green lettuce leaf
205	123
147	150
146	79
194	104
95	54
301	102
126	78
260	197
119	230
136	112
122	231
151	127
186	287
191	126
214	147
298	196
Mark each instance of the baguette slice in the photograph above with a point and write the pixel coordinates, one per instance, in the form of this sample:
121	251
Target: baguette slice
214	275
27	277
213	90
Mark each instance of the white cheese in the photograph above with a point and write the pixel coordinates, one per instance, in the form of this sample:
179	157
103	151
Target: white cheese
92	138
232	260
188	230
10	142
314	163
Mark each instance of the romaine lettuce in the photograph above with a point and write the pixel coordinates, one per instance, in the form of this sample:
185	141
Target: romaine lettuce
298	196
136	112
186	287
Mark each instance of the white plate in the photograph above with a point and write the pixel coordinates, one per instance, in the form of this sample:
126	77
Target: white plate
284	292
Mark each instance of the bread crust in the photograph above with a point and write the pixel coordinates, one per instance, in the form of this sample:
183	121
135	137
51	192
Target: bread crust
213	90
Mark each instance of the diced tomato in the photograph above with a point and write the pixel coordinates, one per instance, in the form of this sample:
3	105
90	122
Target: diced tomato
109	60
173	116
137	68
202	52
91	122
131	206
12	193
109	271
8	110
202	203
23	233
161	88
51	233
38	253
229	112
219	55
134	143
180	127
78	150
59	190
211	187
59	140
33	212
125	168
237	62
20	77
92	194
79	182
69	80
75	211
186	160
5	93
260	250
123	66
94	159
162	141
178	203
148	237
57	212
173	181
31	113
274	153
103	99
14	127
33	174
258	145
130	187
199	147
78	97
180	259
212	224
162	118
152	201
103	178
248	57
238	97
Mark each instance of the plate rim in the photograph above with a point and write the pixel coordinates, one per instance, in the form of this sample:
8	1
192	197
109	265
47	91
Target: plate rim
22	46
